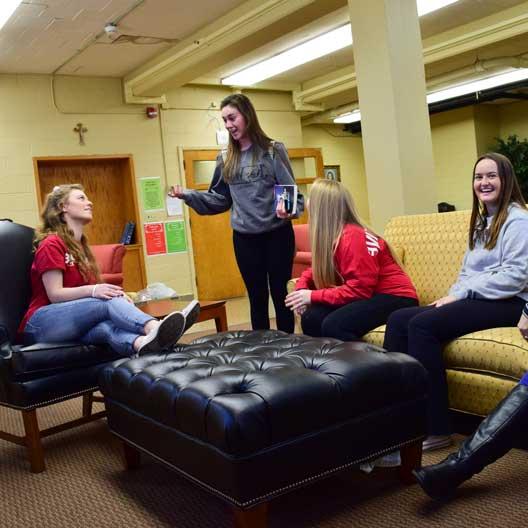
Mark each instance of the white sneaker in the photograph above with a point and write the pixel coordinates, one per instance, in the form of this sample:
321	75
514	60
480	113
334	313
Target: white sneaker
191	313
165	334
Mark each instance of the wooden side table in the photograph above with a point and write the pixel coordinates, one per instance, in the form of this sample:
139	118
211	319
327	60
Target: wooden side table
208	310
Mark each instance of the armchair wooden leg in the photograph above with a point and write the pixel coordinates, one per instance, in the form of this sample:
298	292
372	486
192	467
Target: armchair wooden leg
256	517
87	404
411	458
132	456
33	441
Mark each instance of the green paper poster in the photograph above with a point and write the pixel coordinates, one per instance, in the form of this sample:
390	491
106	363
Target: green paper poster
151	194
175	235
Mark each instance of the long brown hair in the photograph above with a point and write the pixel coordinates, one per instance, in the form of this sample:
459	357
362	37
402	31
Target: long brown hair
257	136
510	192
53	224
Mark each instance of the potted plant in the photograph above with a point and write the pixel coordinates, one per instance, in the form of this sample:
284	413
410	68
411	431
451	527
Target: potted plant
516	151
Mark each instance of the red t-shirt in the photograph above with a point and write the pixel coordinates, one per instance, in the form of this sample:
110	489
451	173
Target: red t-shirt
367	267
51	254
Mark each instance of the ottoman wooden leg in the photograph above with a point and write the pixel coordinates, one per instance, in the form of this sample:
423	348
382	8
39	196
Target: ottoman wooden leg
411	458
132	456
256	517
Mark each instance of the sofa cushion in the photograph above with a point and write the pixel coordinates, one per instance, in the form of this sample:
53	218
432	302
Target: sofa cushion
497	351
434	245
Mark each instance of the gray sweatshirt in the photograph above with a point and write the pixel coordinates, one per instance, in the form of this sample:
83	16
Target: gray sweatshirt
500	272
250	194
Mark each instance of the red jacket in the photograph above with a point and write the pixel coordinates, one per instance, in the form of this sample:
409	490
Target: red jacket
367	268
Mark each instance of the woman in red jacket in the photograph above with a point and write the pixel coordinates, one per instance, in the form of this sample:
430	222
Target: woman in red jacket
355	282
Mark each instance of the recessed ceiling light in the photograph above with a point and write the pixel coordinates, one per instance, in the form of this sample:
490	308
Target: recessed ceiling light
7	8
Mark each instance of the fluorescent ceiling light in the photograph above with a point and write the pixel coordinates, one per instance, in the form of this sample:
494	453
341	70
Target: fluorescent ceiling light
456	91
7	8
428	6
307	51
334	40
476	86
349	117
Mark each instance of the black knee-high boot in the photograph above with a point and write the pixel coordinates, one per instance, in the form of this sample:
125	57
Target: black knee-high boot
493	438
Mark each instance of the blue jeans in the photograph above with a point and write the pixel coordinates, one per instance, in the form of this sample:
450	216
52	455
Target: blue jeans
524	380
91	321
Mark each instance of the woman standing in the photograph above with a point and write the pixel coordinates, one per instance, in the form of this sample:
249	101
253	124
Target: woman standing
490	291
244	181
69	303
354	283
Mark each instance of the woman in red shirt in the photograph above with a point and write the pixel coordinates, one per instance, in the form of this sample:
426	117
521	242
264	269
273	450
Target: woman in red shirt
69	303
355	282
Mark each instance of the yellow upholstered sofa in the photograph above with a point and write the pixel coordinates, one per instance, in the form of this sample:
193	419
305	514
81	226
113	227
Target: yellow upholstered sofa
482	367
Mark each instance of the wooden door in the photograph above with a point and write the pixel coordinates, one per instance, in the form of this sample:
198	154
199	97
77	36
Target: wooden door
110	183
217	275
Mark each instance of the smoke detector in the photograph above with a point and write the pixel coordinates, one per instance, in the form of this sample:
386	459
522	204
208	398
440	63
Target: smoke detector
111	29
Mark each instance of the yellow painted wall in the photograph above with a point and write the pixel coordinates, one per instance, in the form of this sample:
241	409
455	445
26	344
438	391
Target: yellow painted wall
513	119
454	151
345	150
454	137
37	118
487	127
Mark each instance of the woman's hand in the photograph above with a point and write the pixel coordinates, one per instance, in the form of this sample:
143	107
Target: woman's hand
106	291
299	300
523	326
443	301
281	210
176	191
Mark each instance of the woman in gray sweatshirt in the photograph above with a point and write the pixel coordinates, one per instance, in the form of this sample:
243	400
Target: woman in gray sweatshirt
490	292
244	180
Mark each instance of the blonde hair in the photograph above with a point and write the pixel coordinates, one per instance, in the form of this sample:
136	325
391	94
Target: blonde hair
53	224
331	207
257	136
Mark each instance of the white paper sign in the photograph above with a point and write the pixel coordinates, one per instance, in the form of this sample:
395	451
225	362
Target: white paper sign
174	206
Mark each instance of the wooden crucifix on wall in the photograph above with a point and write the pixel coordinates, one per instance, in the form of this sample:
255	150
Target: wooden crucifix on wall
80	129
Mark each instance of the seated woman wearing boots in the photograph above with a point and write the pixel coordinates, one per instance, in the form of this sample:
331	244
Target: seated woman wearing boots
490	291
494	438
354	282
69	303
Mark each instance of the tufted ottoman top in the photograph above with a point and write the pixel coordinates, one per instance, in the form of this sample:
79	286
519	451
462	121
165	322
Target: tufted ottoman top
242	392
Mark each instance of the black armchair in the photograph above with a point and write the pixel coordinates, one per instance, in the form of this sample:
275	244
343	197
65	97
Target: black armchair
44	373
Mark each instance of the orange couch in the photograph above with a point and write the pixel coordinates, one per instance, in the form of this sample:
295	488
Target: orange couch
303	251
109	258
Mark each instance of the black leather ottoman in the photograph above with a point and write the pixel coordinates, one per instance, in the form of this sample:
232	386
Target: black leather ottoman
251	415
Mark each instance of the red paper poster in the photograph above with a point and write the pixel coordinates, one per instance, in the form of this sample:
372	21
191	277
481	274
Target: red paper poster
155	238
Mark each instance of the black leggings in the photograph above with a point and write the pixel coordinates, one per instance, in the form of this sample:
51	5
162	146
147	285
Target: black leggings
267	258
353	320
422	332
